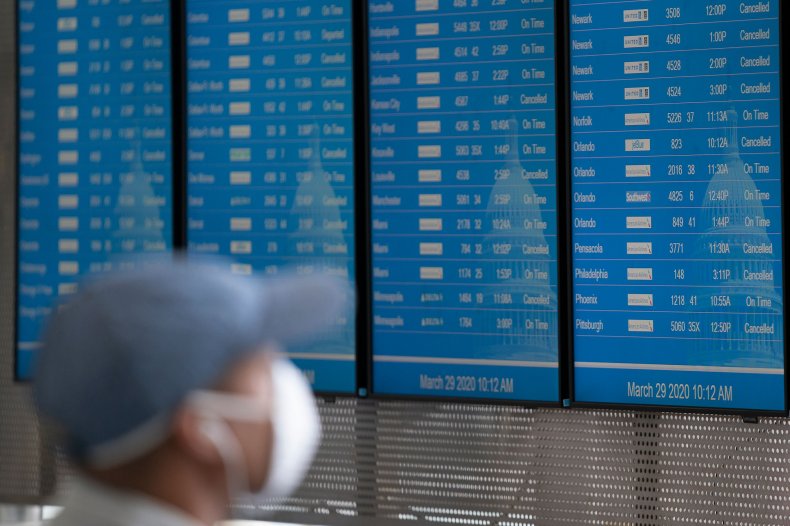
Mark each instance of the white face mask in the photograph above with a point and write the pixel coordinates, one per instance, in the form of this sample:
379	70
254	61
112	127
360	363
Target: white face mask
295	424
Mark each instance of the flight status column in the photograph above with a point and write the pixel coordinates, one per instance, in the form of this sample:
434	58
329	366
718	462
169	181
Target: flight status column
94	146
270	149
676	197
463	198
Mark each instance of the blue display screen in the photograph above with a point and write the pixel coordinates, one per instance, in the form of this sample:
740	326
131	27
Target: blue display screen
270	149
676	203
94	147
463	199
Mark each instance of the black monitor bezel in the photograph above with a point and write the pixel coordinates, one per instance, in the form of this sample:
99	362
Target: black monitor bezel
17	195
561	261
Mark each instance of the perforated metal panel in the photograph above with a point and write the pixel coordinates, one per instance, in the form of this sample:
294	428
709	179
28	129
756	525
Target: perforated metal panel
20	463
412	462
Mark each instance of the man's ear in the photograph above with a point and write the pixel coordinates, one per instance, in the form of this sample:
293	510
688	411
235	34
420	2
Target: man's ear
195	434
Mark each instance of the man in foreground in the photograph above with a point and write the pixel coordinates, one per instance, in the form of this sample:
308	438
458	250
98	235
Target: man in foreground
169	391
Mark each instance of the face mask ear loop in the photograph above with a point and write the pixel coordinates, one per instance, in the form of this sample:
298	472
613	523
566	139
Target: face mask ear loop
229	449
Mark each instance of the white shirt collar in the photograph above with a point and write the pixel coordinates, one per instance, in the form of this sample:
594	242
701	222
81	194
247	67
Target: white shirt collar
95	504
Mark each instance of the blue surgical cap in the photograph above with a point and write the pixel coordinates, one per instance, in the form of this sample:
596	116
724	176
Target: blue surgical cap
121	355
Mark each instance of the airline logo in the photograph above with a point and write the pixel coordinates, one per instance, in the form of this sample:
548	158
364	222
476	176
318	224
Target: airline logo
67	47
241	269
68	91
426	5
429	151
429	103
430	225
67	24
640	300
639	222
641	93
428	53
429	127
426	30
639	248
428	78
637	145
240	224
640	196
68	268
240	108
431	273
239	85
241	247
430	200
240	177
636	68
240	155
238	39
64	289
68	246
240	131
636	15
637	119
637	170
68	135
68	224
429	176
67	69
640	325
639	274
431	249
68	179
239	62
238	15
68	157
68	202
68	113
637	41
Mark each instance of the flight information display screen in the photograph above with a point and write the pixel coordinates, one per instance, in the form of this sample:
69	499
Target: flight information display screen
95	168
676	203
270	154
463	199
